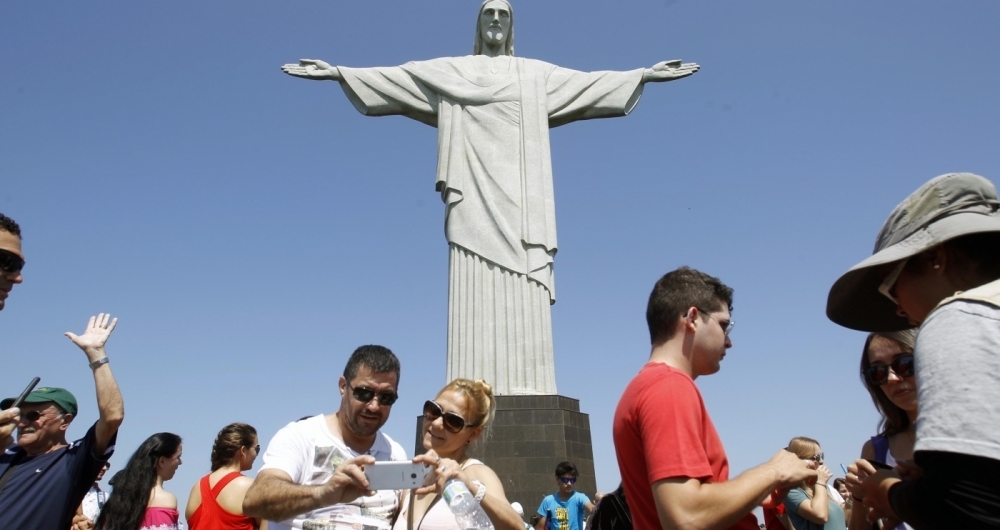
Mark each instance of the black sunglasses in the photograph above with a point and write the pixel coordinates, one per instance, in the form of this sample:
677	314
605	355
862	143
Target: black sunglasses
453	423
32	416
366	395
568	480
878	374
10	262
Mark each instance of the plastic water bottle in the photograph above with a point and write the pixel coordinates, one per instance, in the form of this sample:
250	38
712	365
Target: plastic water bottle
468	513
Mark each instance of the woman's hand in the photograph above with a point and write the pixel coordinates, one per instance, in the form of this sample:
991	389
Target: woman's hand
443	470
856	475
822	475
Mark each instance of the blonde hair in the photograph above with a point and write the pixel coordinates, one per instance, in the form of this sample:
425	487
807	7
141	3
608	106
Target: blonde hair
479	396
804	447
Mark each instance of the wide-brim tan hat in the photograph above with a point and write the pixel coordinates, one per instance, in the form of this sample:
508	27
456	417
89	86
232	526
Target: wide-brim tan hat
944	208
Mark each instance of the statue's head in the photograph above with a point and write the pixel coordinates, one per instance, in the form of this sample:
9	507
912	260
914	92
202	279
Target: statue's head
495	26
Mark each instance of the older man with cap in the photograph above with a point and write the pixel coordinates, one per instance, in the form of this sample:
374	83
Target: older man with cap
937	265
43	477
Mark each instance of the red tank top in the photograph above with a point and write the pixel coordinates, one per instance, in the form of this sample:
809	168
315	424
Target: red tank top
210	516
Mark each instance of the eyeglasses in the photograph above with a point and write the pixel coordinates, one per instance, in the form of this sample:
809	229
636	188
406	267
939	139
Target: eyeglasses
366	395
817	458
33	415
256	448
568	480
888	287
726	326
10	262
878	374
452	422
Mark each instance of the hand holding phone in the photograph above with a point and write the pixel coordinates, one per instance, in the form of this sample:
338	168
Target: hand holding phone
401	475
8	421
878	465
24	395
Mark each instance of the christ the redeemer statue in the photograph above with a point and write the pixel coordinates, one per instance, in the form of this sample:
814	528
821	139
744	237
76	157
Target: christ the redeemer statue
493	112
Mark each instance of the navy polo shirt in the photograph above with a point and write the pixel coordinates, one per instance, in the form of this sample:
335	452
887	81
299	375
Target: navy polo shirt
44	491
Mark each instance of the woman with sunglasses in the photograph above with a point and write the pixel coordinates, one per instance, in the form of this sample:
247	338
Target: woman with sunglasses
887	373
809	506
937	265
216	501
138	501
453	420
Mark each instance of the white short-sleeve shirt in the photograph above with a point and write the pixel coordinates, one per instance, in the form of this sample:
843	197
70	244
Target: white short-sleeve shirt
309	453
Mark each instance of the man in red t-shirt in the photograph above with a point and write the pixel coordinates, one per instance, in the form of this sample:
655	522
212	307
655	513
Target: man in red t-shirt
672	462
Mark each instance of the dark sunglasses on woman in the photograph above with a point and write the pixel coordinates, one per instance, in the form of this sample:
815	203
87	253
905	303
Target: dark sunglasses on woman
453	423
878	374
10	262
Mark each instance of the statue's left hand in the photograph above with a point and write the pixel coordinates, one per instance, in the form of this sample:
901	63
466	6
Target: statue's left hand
668	71
312	69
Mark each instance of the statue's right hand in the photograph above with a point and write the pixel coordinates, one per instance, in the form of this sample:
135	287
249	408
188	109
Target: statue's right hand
312	69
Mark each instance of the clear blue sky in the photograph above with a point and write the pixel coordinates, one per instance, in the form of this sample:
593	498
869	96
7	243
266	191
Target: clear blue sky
251	229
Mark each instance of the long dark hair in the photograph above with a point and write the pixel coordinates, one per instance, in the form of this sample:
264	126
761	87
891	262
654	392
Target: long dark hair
127	504
894	419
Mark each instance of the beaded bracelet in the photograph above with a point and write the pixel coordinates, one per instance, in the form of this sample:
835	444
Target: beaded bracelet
480	490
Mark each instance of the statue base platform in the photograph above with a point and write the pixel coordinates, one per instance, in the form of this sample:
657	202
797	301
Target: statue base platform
530	436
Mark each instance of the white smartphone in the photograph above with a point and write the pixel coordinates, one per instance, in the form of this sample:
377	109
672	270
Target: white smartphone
402	475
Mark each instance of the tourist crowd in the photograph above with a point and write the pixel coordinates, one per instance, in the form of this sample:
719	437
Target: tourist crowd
929	296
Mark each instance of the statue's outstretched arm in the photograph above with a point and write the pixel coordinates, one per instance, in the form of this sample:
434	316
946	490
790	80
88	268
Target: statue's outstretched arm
667	71
313	69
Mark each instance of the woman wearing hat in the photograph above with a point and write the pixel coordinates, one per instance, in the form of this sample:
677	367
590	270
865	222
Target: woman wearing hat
937	265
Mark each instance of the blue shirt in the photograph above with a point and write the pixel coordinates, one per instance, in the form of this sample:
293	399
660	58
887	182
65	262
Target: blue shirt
566	515
796	496
44	491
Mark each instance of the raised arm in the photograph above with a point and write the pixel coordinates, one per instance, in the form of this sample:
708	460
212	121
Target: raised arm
669	71
274	496
109	397
313	69
817	509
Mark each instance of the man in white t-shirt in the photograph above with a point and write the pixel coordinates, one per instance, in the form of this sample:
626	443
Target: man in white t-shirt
313	467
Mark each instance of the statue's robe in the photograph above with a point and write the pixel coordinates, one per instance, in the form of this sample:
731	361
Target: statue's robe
495	176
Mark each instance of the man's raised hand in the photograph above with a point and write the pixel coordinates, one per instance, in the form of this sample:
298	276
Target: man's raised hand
791	469
312	69
348	481
669	71
92	341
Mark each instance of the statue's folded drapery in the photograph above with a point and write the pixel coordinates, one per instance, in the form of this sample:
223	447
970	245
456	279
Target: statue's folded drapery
494	173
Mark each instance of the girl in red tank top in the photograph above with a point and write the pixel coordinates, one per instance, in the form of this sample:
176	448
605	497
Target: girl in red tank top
220	506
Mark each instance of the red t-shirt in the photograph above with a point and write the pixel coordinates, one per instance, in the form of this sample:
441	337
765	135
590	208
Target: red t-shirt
662	430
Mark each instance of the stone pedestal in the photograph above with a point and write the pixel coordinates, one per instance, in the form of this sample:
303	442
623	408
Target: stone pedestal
531	434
